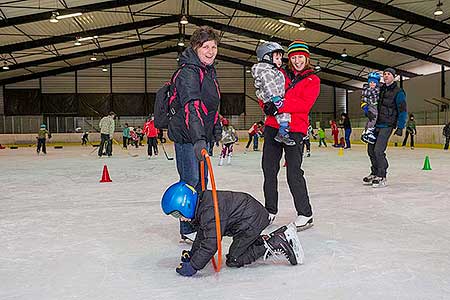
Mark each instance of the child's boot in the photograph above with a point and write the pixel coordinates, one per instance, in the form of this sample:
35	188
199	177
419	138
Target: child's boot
285	241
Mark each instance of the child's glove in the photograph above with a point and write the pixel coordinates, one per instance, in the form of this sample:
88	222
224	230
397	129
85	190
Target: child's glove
186	256
270	109
398	132
365	108
278	101
185	269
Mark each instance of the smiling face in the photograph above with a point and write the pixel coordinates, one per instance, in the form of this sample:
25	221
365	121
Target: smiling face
298	62
277	58
207	52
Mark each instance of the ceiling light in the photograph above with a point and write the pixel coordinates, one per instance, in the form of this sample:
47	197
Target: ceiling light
262	41
53	18
87	38
289	23
77	43
247	71
5	66
181	43
381	38
438	10
93	58
302	27
184	20
60	17
104	69
317	67
344	53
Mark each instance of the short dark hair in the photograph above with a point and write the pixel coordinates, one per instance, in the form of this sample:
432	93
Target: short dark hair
111	113
202	35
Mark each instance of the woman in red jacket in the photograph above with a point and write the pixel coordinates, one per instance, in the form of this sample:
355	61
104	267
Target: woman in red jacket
302	89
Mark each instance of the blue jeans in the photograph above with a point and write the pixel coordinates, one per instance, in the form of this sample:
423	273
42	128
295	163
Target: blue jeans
188	168
348	131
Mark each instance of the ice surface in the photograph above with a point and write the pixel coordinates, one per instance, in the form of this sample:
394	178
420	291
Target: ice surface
64	235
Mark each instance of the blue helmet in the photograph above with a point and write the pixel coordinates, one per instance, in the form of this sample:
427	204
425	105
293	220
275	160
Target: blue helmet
374	77
43	126
180	199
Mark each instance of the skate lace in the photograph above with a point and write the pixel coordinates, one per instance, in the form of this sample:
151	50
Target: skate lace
276	254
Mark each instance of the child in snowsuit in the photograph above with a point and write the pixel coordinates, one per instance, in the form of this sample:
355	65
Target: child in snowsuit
269	84
134	137
125	135
228	140
241	217
41	139
321	133
369	104
334	132
85	138
151	132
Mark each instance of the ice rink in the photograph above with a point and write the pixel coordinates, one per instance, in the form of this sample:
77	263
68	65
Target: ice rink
64	235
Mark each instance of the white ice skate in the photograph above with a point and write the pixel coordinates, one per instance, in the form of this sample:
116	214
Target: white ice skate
229	159
284	242
379	182
291	235
221	161
272	218
303	223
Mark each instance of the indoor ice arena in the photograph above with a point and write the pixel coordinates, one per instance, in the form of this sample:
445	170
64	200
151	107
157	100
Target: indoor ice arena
224	149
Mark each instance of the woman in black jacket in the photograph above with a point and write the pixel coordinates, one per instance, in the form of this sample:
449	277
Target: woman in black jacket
347	129
196	123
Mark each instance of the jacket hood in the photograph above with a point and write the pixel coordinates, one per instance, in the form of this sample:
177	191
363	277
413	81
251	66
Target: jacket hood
190	57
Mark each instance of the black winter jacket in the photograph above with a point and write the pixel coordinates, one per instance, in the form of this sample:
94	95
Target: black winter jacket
239	213
197	116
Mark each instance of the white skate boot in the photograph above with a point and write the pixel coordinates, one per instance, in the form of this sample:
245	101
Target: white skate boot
221	161
284	241
303	222
229	159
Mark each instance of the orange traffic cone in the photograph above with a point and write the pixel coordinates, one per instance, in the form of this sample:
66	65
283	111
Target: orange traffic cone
105	175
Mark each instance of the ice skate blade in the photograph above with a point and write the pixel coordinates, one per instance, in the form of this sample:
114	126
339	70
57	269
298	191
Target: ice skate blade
304	227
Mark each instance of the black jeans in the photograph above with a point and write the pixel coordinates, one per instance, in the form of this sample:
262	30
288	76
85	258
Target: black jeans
105	140
152	142
124	141
405	140
272	153
41	143
447	140
377	151
307	143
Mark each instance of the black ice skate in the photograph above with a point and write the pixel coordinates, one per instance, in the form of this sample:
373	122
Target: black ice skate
368	179
284	139
285	241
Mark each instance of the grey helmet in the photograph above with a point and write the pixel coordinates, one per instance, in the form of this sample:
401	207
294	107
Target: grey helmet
265	50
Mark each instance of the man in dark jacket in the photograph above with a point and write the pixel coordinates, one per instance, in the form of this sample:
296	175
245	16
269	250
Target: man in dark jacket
392	113
241	217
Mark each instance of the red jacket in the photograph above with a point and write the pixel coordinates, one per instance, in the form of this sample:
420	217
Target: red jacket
149	129
298	101
334	128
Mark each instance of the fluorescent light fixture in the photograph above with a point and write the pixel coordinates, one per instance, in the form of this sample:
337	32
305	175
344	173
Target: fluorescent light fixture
438	10
184	20
53	18
262	41
104	69
247	71
5	66
181	43
73	15
344	53
87	38
302	27
381	38
93	58
317	67
289	23
77	43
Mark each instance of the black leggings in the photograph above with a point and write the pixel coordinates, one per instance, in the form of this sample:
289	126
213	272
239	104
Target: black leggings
272	153
152	143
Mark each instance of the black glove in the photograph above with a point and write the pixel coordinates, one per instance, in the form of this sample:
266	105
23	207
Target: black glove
371	115
398	132
198	147
270	109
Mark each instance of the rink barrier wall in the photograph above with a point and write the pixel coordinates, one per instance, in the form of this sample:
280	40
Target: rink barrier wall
427	136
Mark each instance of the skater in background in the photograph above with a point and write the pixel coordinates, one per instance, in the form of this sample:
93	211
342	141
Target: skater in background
151	132
197	123
140	135
307	142
85	138
125	135
369	104
42	138
347	129
302	90
134	137
242	217
410	131
321	134
228	139
392	113
446	134
253	134
334	132
107	126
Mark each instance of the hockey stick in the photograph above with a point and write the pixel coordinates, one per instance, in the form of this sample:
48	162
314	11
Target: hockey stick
165	153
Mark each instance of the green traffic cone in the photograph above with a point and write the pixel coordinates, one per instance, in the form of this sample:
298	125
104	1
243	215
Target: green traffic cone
426	164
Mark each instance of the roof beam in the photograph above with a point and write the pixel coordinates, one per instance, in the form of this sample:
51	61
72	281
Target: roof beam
401	14
99	31
82	8
88	65
322	69
285	42
330	30
89	52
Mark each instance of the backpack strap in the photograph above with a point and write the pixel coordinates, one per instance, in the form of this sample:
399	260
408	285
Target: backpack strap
297	79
